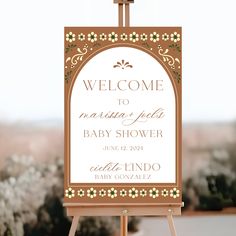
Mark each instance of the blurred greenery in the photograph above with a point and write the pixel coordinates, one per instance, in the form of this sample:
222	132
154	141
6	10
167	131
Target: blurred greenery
31	195
30	205
213	191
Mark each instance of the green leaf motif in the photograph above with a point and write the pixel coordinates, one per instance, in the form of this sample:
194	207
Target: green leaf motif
177	76
175	47
146	45
70	48
68	76
96	45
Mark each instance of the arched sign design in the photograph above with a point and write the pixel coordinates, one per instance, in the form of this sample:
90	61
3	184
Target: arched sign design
123	115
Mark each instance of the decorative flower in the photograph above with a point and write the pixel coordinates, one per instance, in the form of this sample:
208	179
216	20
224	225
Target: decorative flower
112	193
81	193
174	193
164	193
143	37
153	193
113	37
133	193
81	37
175	37
123	193
70	193
154	37
102	193
134	37
91	193
70	37
165	37
143	193
92	37
103	37
124	37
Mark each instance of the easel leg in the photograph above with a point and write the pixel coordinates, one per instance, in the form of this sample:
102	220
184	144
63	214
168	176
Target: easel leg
171	225
120	15
74	226
127	15
123	225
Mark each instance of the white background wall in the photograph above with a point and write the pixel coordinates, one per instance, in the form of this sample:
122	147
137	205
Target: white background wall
31	52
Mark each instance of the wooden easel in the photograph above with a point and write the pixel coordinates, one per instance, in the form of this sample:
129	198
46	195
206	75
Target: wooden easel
76	210
121	5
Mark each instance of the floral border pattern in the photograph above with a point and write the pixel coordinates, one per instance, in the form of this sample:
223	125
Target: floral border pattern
133	37
151	41
112	193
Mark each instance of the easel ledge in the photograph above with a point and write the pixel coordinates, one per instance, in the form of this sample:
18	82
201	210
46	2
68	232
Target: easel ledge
76	210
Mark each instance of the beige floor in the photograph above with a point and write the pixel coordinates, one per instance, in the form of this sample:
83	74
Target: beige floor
190	226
